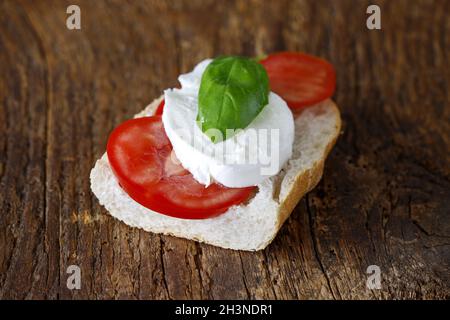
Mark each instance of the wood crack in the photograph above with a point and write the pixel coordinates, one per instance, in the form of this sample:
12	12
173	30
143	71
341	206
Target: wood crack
315	247
266	268
198	265
161	255
243	277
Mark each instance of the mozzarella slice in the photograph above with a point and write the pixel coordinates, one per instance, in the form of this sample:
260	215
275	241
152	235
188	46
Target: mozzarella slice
253	154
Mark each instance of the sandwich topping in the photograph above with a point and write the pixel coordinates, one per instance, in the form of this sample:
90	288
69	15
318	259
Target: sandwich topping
302	80
233	91
253	150
141	157
218	136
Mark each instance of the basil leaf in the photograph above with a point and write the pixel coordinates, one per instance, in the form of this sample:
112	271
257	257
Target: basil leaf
233	91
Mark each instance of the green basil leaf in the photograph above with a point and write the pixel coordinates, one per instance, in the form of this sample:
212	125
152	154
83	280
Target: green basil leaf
233	91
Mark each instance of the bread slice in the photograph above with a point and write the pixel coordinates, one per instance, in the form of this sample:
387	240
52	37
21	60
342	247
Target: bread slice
250	226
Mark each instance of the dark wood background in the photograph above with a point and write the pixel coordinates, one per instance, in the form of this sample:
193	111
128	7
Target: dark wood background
384	198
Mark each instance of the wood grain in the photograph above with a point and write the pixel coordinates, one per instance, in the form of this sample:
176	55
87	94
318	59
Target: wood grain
383	200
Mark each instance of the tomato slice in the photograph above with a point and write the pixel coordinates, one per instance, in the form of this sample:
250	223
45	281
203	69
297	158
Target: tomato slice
160	108
300	79
142	159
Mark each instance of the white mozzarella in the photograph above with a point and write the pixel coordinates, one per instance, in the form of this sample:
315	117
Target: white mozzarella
247	158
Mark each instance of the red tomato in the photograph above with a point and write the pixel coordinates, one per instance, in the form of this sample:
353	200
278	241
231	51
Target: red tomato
300	79
160	108
141	157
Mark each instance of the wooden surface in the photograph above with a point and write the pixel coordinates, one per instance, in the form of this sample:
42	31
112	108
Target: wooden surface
384	198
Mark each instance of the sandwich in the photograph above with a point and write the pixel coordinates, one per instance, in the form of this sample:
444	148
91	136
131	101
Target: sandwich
225	158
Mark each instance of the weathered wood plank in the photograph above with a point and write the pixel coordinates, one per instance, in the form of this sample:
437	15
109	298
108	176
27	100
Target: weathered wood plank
385	192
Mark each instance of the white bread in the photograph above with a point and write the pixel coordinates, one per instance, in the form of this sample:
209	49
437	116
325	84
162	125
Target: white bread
250	226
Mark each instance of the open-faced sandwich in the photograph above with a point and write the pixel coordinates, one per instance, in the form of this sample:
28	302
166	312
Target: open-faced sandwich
225	158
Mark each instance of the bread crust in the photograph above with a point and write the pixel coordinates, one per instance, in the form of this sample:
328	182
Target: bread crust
307	180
